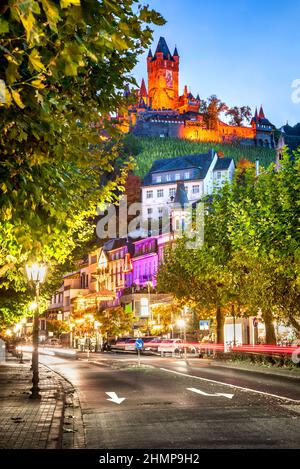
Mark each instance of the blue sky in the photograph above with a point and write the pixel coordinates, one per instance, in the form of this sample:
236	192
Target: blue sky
244	51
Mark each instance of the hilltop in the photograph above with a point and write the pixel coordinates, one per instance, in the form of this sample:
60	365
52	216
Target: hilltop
148	149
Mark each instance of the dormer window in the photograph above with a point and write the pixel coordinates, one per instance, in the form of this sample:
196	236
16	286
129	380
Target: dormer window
158	179
168	177
177	177
187	175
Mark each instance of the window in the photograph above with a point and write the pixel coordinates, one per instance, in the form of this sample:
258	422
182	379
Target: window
158	178
93	259
177	177
149	194
168	177
160	193
172	192
160	211
186	188
196	189
219	175
187	175
149	211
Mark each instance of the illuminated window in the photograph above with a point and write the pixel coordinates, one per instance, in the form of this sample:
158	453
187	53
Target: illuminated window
187	175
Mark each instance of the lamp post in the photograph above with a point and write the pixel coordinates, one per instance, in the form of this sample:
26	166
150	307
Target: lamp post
181	323
36	274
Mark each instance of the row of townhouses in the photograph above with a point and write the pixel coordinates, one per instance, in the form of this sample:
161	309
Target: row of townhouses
123	271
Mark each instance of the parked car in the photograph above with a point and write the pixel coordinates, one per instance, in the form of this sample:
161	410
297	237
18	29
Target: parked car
152	344
52	341
170	346
130	345
119	344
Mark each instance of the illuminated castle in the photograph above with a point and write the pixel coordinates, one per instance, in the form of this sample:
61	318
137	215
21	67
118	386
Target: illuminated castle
162	111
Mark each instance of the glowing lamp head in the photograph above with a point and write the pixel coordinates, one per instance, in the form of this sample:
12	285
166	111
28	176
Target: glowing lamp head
36	272
180	323
33	306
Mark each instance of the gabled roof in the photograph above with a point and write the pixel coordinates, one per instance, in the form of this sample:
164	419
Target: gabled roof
200	162
222	164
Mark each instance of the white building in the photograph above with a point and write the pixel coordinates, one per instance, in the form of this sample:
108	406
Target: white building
200	174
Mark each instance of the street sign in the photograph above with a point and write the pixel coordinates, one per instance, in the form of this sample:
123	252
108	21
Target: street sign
139	344
204	325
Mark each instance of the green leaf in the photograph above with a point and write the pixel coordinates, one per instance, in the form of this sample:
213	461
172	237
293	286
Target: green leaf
4	26
35	60
52	14
17	98
67	3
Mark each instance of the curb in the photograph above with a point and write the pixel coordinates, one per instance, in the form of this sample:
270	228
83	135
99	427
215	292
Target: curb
69	438
255	369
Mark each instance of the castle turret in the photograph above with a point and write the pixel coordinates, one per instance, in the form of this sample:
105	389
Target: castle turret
163	77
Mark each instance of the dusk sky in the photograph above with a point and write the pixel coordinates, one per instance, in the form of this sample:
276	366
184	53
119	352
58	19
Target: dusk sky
244	51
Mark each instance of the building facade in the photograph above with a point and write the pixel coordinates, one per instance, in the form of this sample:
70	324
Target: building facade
197	175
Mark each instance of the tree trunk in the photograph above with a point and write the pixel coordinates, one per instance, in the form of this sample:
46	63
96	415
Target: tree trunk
270	329
220	326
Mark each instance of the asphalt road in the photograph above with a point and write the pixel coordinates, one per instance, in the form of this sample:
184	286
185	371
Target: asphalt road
171	404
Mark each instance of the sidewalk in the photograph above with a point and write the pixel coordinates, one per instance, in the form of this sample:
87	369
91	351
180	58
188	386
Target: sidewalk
30	424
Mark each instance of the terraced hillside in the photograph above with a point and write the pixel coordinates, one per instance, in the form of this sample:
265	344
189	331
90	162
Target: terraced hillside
146	150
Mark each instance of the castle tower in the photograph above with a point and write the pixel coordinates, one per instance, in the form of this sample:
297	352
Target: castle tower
163	77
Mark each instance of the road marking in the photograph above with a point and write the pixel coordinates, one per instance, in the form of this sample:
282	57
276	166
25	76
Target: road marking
218	394
232	386
114	398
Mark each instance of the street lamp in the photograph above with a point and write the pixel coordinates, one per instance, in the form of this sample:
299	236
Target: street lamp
182	324
36	274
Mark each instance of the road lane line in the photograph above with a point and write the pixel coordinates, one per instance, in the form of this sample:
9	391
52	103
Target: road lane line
217	394
232	386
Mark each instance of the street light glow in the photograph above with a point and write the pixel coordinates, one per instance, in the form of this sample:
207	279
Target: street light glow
33	306
180	322
36	272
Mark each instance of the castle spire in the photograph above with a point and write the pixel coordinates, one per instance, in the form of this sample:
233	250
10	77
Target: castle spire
175	52
261	113
163	48
150	54
256	114
143	89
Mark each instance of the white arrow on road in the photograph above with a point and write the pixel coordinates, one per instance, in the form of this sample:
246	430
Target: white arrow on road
218	394
114	398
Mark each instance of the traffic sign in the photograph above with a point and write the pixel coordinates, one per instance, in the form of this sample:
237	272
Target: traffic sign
204	325
139	344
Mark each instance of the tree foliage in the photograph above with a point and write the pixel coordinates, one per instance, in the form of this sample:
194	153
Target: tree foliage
238	115
63	64
250	258
211	110
115	321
